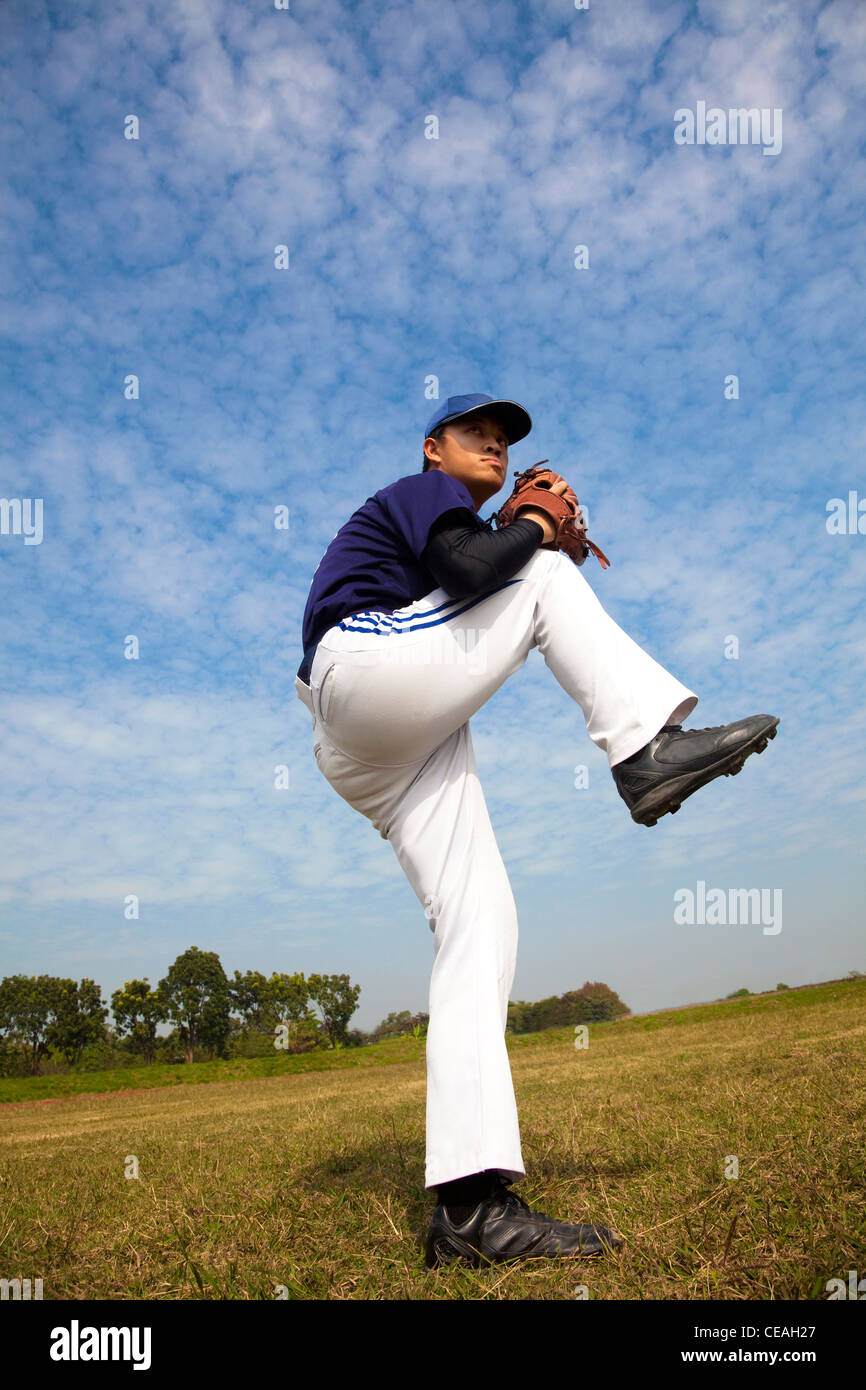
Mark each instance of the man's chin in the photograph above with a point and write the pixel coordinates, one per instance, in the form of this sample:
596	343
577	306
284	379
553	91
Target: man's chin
495	472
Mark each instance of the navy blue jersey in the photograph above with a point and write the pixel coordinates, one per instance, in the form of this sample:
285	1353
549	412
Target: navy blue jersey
373	562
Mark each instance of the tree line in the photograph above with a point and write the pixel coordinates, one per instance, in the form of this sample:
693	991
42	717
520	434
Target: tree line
45	1018
594	1002
209	1016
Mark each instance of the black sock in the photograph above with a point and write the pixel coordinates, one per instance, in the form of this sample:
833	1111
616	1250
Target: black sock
461	1197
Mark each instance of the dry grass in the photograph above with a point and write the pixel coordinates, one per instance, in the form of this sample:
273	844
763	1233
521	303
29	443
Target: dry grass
315	1181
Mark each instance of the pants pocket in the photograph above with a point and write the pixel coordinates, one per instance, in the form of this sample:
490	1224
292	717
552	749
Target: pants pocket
320	692
326	692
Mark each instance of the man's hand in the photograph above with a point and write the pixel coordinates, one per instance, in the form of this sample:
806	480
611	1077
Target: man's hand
542	518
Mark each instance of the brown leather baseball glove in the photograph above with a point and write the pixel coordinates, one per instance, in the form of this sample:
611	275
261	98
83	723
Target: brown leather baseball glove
532	489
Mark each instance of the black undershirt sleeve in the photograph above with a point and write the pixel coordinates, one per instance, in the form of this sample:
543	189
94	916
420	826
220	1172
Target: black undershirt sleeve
465	556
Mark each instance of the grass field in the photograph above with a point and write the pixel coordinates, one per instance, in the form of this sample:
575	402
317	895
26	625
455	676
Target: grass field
313	1179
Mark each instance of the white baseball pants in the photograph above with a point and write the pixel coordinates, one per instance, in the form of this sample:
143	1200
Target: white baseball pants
391	697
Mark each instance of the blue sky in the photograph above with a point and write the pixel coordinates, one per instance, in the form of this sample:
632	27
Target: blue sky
409	259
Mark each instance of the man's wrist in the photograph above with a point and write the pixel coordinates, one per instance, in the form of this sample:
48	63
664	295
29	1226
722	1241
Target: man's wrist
542	520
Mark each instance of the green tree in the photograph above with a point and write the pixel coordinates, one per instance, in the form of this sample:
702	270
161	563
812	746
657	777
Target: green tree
394	1025
27	1008
291	996
293	1006
137	1010
397	1024
594	1002
337	997
263	1004
251	997
79	1018
196	996
516	1016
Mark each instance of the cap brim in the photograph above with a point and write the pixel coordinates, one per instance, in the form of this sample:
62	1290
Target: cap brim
516	421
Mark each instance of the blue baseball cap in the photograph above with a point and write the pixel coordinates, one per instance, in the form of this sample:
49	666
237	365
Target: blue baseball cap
515	420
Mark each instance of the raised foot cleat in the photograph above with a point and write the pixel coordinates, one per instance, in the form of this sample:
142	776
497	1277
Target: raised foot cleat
657	779
503	1228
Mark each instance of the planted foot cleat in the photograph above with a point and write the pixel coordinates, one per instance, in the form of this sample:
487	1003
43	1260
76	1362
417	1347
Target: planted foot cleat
503	1228
657	779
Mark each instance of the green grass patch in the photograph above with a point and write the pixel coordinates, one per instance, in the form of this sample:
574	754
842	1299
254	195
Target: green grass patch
387	1052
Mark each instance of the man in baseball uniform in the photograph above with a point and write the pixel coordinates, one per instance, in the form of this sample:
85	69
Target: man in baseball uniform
419	610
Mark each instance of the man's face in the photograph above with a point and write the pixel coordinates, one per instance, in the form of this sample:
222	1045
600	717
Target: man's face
475	450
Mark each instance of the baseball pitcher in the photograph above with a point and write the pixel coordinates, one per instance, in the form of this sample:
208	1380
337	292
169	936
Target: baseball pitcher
419	610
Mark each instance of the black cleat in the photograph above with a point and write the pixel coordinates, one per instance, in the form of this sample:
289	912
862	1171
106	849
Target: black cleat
676	762
502	1228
